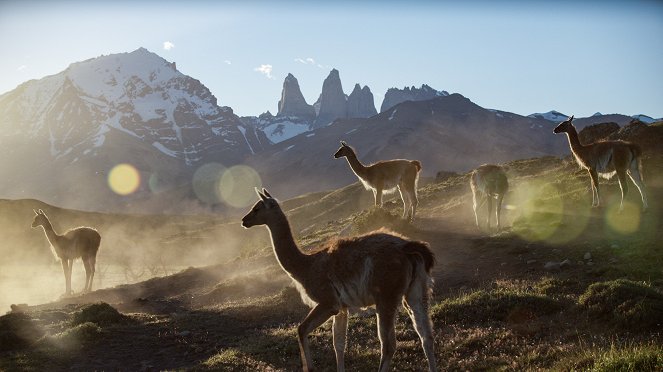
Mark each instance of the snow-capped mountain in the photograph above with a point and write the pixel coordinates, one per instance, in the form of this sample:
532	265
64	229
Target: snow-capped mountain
138	93
553	115
645	119
134	108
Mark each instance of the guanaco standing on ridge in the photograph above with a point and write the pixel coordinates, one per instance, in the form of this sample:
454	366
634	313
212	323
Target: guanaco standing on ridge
80	242
378	268
386	176
488	182
605	158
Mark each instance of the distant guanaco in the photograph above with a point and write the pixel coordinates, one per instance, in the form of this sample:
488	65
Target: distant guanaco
605	158
379	268
488	182
80	242
386	176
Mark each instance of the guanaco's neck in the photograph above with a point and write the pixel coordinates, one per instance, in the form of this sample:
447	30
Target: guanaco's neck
287	253
574	141
357	167
51	235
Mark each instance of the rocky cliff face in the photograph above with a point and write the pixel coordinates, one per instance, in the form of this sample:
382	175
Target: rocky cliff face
333	102
395	96
292	102
360	103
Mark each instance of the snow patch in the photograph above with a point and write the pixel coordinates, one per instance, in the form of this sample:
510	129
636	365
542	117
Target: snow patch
281	131
164	149
243	130
553	115
391	117
644	118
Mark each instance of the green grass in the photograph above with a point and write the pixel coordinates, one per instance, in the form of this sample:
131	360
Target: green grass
625	303
495	305
629	358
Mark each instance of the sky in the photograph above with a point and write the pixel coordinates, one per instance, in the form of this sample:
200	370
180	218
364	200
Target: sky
574	57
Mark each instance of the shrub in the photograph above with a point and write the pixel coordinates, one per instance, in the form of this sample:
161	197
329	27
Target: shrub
100	313
625	302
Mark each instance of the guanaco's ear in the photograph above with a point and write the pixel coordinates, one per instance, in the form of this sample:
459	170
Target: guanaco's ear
571	118
343	143
262	197
41	212
34	210
264	191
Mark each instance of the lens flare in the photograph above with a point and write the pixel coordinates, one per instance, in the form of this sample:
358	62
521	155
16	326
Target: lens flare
236	186
156	183
124	179
625	222
541	211
206	182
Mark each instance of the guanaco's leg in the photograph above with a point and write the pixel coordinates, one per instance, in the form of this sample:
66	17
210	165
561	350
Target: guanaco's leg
498	209
340	332
418	310
313	320
67	275
623	185
489	202
414	201
71	266
386	333
406	200
378	194
475	205
636	177
93	264
596	201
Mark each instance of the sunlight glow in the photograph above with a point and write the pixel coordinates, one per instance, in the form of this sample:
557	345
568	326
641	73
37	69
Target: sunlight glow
124	179
206	182
626	222
541	214
237	184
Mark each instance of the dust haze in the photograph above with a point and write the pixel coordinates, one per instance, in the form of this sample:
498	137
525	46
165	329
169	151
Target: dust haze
133	248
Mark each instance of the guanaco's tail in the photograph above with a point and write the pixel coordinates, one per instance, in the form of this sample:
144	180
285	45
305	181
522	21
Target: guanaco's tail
421	249
636	153
417	164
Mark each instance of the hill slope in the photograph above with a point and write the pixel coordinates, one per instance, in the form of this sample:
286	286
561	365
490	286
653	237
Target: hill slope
497	304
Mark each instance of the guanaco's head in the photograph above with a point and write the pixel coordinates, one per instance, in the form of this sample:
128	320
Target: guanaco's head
40	218
564	126
344	150
263	211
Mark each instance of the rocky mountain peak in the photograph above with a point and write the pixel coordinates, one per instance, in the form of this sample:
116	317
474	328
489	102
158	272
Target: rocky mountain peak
395	96
360	103
292	102
333	102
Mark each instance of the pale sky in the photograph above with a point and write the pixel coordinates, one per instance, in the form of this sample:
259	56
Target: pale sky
517	56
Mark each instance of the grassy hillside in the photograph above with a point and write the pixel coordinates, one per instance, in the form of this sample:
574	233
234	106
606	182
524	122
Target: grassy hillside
562	287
